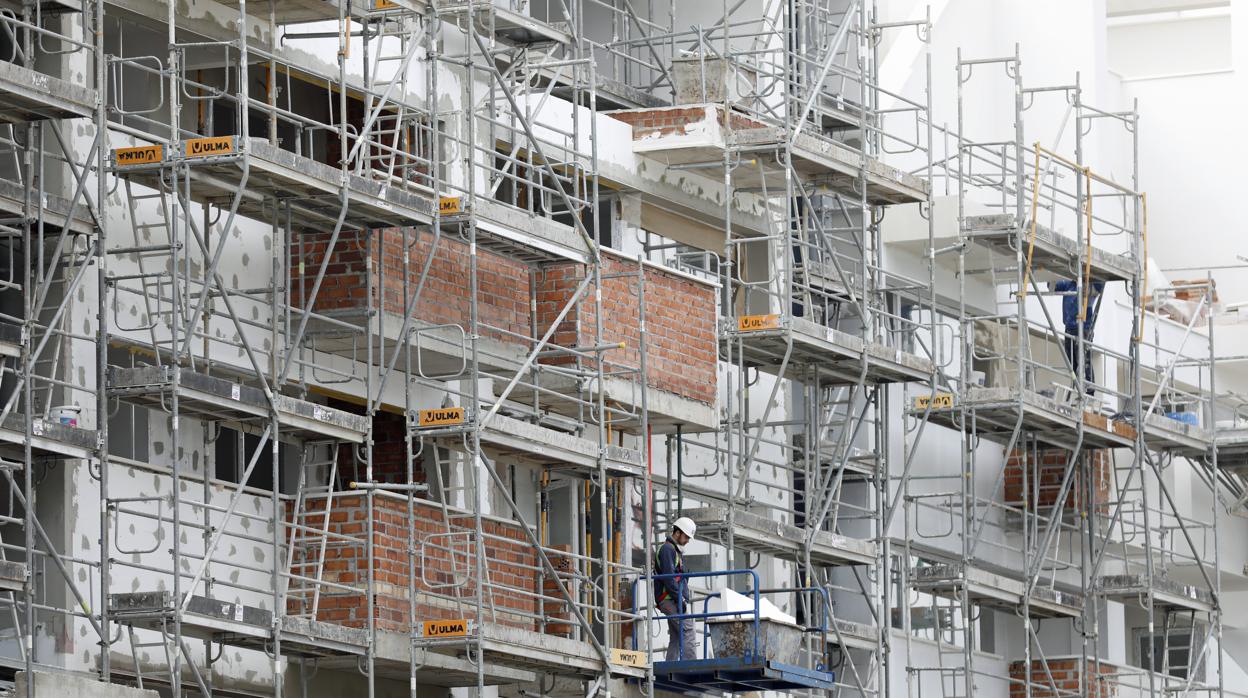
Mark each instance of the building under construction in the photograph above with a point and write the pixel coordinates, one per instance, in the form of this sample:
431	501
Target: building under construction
371	348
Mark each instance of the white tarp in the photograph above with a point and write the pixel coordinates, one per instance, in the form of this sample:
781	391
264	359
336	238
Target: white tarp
729	600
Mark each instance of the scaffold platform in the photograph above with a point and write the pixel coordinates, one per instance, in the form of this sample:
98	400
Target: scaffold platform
220	399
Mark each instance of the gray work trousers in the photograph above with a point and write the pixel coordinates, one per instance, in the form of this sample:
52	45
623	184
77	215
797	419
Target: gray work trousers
681	637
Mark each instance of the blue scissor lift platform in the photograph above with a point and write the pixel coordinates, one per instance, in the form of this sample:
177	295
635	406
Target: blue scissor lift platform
754	666
736	675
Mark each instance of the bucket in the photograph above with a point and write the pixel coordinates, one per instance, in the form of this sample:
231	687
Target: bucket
777	642
66	415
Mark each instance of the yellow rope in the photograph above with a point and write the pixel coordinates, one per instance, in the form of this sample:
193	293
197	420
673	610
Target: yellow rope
1087	265
1144	285
1031	236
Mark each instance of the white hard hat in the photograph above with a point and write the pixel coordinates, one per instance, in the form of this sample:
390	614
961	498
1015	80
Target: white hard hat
686	526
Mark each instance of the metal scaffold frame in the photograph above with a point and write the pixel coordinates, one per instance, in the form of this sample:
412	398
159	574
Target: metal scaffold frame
444	300
1107	448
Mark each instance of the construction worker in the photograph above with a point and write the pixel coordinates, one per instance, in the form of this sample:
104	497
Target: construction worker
1072	307
671	593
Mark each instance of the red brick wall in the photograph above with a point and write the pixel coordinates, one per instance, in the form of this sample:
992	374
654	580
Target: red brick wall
1044	477
671	121
680	323
503	298
1062	675
512	563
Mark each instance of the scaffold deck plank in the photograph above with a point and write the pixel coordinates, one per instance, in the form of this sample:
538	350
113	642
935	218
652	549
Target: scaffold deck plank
49	439
210	397
998	411
994	589
236	624
1135	588
838	355
1054	256
53	210
281	182
762	534
28	95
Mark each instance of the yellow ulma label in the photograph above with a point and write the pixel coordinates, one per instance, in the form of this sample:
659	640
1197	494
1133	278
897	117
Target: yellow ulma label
141	155
208	147
939	401
631	658
445	416
750	323
450	205
385	5
457	627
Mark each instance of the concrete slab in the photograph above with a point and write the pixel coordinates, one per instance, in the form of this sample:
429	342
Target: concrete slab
666	409
49	685
824	164
393	654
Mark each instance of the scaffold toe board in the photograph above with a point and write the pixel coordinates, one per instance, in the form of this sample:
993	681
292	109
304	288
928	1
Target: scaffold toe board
202	618
1232	449
737	675
236	624
220	399
760	533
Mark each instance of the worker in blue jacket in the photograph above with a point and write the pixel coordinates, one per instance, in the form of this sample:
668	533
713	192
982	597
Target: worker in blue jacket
671	593
1072	305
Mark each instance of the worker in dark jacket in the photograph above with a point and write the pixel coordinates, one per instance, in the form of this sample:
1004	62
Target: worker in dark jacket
1072	307
671	593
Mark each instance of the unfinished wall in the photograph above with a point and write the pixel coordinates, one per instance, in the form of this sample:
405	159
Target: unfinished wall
503	293
1062	677
1035	477
680	323
442	551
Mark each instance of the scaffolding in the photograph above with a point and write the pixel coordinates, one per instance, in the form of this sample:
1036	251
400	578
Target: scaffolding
384	339
1080	512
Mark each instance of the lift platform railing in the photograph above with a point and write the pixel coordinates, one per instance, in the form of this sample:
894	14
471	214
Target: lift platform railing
820	628
754	593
